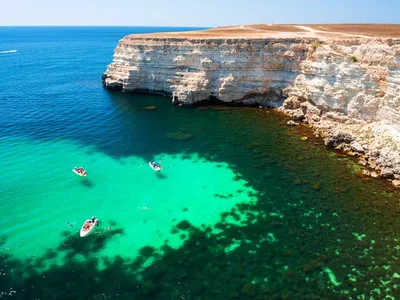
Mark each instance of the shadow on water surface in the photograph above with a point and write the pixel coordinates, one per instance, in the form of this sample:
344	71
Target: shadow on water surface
161	175
317	231
87	183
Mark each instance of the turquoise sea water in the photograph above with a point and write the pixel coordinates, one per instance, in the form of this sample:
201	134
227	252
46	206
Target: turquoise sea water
243	209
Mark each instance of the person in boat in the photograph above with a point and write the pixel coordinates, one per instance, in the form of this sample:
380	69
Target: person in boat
93	219
87	225
156	166
79	170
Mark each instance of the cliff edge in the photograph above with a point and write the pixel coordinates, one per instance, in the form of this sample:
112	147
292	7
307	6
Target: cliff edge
342	79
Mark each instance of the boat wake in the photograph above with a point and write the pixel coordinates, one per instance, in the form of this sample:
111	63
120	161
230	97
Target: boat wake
8	51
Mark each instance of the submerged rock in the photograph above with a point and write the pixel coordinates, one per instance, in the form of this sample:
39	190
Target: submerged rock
179	135
151	107
268	174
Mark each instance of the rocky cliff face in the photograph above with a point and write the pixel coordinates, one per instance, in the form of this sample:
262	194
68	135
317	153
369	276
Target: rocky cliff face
358	78
350	91
231	70
344	87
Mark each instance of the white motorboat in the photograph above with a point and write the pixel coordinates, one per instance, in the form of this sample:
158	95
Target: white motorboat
79	171
87	228
155	166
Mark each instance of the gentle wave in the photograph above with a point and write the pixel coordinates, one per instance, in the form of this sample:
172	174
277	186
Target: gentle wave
8	51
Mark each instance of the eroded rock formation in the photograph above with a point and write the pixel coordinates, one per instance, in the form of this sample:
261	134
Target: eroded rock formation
348	87
231	70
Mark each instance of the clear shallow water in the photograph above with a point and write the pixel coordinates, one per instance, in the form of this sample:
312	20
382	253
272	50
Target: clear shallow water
243	208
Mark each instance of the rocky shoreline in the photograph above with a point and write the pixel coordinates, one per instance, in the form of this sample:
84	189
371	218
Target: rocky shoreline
374	146
344	84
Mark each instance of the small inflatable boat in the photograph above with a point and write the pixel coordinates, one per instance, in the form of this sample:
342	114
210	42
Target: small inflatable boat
86	229
79	171
155	166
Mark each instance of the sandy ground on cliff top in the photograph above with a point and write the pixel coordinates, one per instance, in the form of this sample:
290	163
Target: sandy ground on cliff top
323	31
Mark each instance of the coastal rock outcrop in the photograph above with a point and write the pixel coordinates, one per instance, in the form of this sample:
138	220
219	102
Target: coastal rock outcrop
348	87
241	71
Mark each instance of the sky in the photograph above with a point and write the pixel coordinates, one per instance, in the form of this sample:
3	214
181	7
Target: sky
200	13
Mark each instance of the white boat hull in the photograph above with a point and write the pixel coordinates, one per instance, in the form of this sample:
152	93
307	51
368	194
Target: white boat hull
85	232
151	166
79	174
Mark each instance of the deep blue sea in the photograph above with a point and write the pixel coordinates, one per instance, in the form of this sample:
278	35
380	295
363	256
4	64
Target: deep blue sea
243	208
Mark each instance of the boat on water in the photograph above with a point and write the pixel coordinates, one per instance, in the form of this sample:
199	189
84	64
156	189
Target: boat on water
155	166
8	51
79	171
88	227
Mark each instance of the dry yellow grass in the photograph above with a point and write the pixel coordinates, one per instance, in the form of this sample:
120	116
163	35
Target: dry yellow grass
322	31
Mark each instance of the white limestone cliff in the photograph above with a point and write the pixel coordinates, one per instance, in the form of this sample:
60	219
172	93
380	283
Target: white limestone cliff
231	70
354	82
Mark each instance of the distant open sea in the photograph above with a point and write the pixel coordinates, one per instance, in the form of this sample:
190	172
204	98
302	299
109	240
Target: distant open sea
243	208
